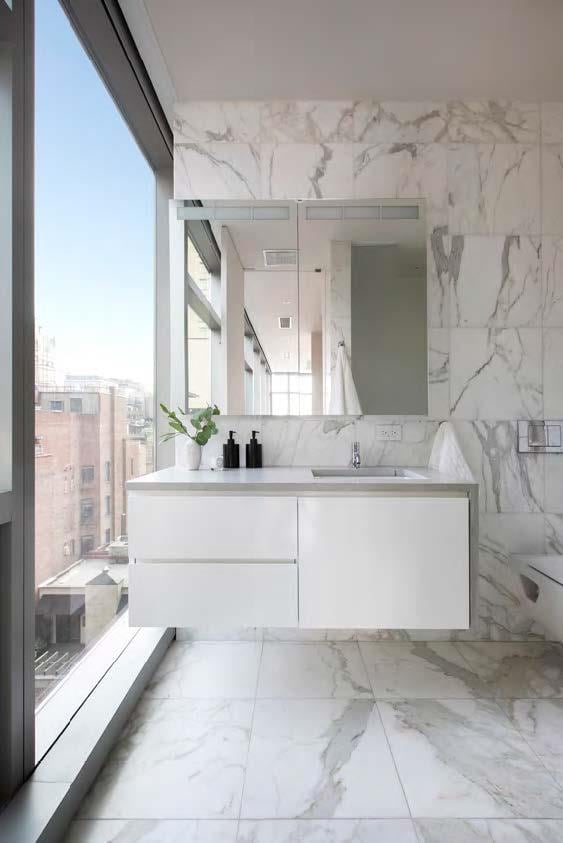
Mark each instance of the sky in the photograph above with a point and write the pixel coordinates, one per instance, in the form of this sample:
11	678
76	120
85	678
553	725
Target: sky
94	215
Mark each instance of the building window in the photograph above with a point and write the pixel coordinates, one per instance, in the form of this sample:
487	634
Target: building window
86	545
108	504
76	405
132	467
107	471
57	406
86	510
292	394
108	536
87	475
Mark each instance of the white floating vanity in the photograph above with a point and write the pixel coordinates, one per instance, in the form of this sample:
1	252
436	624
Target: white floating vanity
283	547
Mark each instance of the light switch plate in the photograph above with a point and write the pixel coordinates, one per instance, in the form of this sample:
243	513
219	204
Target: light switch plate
389	432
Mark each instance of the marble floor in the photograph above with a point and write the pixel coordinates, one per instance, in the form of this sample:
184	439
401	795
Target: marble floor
272	742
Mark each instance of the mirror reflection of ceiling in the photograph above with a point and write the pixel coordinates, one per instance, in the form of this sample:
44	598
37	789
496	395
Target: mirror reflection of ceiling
274	292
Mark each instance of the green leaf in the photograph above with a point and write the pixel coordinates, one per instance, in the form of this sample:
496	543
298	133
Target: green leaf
195	422
165	409
216	410
201	438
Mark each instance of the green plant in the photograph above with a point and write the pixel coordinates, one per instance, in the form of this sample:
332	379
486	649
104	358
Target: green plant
202	422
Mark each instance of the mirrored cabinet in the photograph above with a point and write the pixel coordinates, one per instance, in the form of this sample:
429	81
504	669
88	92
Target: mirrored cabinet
315	307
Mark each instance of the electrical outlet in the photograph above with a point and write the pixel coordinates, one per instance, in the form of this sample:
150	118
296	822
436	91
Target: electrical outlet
389	432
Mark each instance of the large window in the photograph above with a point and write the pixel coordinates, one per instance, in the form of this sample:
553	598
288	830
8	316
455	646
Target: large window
94	263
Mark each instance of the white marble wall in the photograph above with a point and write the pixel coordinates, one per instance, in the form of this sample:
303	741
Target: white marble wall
492	176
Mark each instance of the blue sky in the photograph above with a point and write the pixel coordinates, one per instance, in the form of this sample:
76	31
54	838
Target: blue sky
94	215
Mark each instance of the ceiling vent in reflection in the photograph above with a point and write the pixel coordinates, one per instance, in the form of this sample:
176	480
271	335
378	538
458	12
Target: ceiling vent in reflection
285	321
276	258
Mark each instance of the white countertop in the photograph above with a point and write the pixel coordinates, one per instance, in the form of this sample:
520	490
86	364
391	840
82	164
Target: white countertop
291	479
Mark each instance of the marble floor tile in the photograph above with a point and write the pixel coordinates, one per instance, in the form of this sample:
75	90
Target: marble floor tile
152	831
517	670
320	759
418	670
489	831
308	670
202	670
176	759
463	758
541	724
326	831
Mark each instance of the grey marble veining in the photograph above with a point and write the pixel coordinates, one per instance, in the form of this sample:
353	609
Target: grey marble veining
554	534
552	122
211	122
438	373
489	831
399	122
463	758
152	831
306	171
496	282
552	263
512	670
493	189
552	373
211	170
307	121
493	121
496	373
176	759
338	747
552	187
326	831
540	722
327	670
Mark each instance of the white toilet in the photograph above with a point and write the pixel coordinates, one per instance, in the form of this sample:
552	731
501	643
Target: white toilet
540	580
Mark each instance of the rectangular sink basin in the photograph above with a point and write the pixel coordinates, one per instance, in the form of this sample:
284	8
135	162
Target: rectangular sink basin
376	472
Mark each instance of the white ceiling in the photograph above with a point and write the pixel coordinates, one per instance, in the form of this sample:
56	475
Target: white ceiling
342	49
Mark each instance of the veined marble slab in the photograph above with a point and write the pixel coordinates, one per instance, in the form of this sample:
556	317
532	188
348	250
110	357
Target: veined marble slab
326	831
438	373
552	263
400	122
493	189
307	121
210	122
492	831
152	831
540	722
217	170
553	373
306	171
552	188
552	122
463	758
493	121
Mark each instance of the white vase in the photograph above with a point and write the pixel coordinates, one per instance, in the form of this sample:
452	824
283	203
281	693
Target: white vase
191	454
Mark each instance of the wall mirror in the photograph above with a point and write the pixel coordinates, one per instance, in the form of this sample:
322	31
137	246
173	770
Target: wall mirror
307	308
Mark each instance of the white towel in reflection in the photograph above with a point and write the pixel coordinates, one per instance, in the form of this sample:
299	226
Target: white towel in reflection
344	399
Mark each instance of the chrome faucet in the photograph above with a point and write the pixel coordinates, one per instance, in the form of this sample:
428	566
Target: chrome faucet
356	459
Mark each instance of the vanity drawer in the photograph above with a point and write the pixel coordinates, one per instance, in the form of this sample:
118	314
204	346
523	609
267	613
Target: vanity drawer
212	527
212	594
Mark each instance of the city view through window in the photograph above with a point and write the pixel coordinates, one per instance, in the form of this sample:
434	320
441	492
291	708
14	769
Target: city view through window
94	359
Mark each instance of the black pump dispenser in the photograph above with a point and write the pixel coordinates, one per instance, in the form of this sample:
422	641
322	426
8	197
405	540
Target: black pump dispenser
254	452
231	453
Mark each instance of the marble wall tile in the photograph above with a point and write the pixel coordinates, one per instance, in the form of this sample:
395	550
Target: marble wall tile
217	171
440	252
554	534
496	281
507	482
495	373
298	441
403	171
552	122
207	122
552	277
553	373
302	121
554	484
493	189
552	188
502	616
307	171
399	122
414	448
438	373
493	121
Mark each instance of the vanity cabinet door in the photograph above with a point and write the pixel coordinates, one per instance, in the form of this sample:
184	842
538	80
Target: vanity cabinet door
384	562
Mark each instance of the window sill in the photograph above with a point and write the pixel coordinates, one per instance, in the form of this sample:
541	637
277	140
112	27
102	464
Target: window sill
44	806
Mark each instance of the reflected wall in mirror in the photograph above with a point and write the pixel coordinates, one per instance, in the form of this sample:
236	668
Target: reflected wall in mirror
307	308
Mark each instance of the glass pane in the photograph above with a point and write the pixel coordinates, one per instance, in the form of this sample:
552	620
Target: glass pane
199	362
294	383
5	269
94	270
305	405
197	270
280	405
306	384
279	383
293	404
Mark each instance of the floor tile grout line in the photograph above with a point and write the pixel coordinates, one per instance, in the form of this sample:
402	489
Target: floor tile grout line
250	733
386	736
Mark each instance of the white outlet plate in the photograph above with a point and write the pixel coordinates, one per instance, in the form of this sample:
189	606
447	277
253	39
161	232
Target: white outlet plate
389	432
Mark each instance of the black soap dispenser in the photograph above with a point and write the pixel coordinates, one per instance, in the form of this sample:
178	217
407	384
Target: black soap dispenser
231	453
254	452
